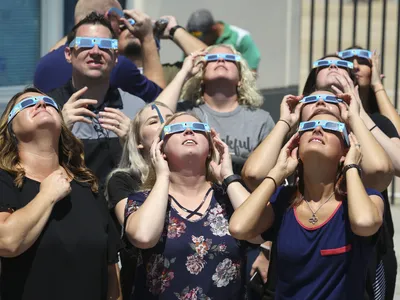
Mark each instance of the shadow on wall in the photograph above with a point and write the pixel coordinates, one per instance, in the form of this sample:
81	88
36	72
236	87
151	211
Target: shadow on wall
273	99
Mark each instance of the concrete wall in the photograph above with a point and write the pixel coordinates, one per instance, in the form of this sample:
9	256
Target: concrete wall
273	24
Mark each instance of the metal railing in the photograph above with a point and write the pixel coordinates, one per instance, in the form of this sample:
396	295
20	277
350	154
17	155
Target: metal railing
371	7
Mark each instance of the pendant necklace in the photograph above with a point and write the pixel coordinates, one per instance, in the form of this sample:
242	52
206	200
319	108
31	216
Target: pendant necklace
314	219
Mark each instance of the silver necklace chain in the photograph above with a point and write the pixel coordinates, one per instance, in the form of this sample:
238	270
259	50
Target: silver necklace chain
314	219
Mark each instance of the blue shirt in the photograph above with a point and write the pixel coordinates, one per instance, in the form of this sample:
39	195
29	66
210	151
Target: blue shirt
53	71
196	259
325	262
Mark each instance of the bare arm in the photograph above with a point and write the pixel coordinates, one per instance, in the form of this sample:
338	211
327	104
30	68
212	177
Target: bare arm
144	227
256	214
187	42
253	172
143	30
114	286
152	67
365	212
170	95
376	165
20	229
385	106
390	145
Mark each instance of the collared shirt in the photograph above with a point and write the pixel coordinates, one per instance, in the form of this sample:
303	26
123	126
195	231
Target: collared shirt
53	71
242	41
102	148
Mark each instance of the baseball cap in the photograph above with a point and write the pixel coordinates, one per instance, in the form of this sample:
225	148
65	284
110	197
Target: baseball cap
200	21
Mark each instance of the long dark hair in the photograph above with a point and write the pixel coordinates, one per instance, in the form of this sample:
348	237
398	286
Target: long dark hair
340	182
372	104
311	83
71	156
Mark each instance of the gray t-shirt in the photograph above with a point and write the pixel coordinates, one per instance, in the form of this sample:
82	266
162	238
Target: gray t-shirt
242	129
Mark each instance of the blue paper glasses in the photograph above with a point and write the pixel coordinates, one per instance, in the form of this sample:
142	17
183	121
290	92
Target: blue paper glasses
225	56
355	52
89	42
326	125
325	97
181	127
328	62
28	102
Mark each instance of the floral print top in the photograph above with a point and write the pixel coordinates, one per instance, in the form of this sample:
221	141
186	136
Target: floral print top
193	259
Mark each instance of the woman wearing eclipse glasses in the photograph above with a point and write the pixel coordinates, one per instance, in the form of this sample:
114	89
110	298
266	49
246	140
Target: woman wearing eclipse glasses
323	227
369	80
180	218
57	240
381	117
218	86
133	168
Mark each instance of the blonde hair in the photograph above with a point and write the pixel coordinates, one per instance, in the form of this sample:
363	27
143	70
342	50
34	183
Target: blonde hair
248	93
85	7
133	162
70	150
150	180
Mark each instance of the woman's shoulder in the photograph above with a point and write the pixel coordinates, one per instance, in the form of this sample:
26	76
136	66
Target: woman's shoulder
6	177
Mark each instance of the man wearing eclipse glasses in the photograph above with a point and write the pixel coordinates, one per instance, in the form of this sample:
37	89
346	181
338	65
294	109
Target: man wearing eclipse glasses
97	113
53	70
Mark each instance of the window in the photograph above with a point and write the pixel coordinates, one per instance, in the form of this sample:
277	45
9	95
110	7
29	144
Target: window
20	41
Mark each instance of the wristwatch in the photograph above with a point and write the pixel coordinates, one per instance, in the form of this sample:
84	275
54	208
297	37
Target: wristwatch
172	31
228	180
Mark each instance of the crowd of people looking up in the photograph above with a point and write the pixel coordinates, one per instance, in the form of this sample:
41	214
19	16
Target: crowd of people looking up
125	178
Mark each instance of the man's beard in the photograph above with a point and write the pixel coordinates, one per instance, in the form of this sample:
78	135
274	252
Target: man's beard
133	49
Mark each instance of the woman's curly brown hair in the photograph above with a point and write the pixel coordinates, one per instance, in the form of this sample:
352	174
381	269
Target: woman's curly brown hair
71	156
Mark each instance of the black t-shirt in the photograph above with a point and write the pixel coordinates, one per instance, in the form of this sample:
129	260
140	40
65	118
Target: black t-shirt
120	186
70	258
387	128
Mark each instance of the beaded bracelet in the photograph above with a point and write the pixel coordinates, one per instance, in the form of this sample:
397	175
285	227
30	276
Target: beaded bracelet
346	168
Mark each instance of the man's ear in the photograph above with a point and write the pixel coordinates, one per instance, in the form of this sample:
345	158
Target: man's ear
68	54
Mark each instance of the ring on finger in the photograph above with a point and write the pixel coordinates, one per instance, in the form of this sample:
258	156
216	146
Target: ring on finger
358	145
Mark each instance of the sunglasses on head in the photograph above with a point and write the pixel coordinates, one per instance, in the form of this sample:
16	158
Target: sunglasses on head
224	56
326	125
328	62
28	102
325	97
88	42
120	14
355	52
181	127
